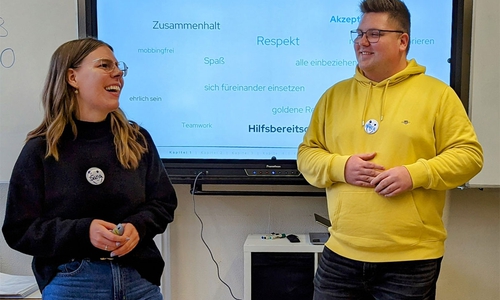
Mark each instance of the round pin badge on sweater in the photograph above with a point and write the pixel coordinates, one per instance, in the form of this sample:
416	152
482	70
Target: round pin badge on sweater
95	176
371	126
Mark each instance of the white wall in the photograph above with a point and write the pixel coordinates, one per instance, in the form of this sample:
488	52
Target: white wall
484	100
227	222
471	268
30	31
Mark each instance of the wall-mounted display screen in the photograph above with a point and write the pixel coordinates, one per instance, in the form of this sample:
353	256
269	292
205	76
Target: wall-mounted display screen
238	80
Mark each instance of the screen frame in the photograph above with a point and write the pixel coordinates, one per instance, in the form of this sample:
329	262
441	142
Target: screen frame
272	171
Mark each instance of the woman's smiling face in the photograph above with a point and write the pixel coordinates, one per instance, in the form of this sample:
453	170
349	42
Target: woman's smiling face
98	89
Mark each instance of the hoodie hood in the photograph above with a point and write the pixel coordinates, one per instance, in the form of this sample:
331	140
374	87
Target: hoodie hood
411	69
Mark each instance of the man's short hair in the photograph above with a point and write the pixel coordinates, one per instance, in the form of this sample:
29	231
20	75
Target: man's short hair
396	9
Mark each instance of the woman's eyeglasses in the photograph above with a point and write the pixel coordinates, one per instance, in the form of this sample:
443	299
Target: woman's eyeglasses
109	66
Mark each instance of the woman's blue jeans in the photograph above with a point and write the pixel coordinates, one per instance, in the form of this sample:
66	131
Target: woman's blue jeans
338	277
99	279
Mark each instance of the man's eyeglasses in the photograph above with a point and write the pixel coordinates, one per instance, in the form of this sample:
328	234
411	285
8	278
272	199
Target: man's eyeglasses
372	35
109	66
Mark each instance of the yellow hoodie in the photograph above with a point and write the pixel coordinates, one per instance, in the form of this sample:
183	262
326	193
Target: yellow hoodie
423	126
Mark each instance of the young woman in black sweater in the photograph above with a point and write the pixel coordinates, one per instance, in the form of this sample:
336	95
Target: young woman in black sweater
82	172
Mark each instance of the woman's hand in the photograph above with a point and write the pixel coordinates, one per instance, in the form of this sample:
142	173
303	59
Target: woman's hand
102	238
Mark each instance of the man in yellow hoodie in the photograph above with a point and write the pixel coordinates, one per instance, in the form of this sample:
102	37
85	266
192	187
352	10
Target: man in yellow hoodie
386	145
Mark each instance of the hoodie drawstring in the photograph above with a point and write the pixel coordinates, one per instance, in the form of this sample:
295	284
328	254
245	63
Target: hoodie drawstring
368	96
382	104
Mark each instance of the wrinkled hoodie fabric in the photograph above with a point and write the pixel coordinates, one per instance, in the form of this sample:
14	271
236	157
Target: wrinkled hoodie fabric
420	123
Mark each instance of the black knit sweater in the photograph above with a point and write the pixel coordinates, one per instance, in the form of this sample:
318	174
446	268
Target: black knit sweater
50	204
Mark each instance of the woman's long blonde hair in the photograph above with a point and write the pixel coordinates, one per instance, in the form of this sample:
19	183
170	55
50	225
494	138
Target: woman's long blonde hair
60	104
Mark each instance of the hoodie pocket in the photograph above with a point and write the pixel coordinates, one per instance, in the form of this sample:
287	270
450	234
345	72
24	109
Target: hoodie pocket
368	220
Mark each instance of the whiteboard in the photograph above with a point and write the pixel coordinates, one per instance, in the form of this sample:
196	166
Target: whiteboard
484	101
30	31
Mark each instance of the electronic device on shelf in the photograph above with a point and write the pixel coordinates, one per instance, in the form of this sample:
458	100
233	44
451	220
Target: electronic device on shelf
320	238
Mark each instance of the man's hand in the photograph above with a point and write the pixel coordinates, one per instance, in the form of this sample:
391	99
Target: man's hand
360	171
393	182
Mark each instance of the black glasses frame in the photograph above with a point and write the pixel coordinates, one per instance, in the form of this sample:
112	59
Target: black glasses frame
372	35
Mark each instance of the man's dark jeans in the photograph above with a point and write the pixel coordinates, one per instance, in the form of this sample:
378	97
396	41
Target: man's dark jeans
338	277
